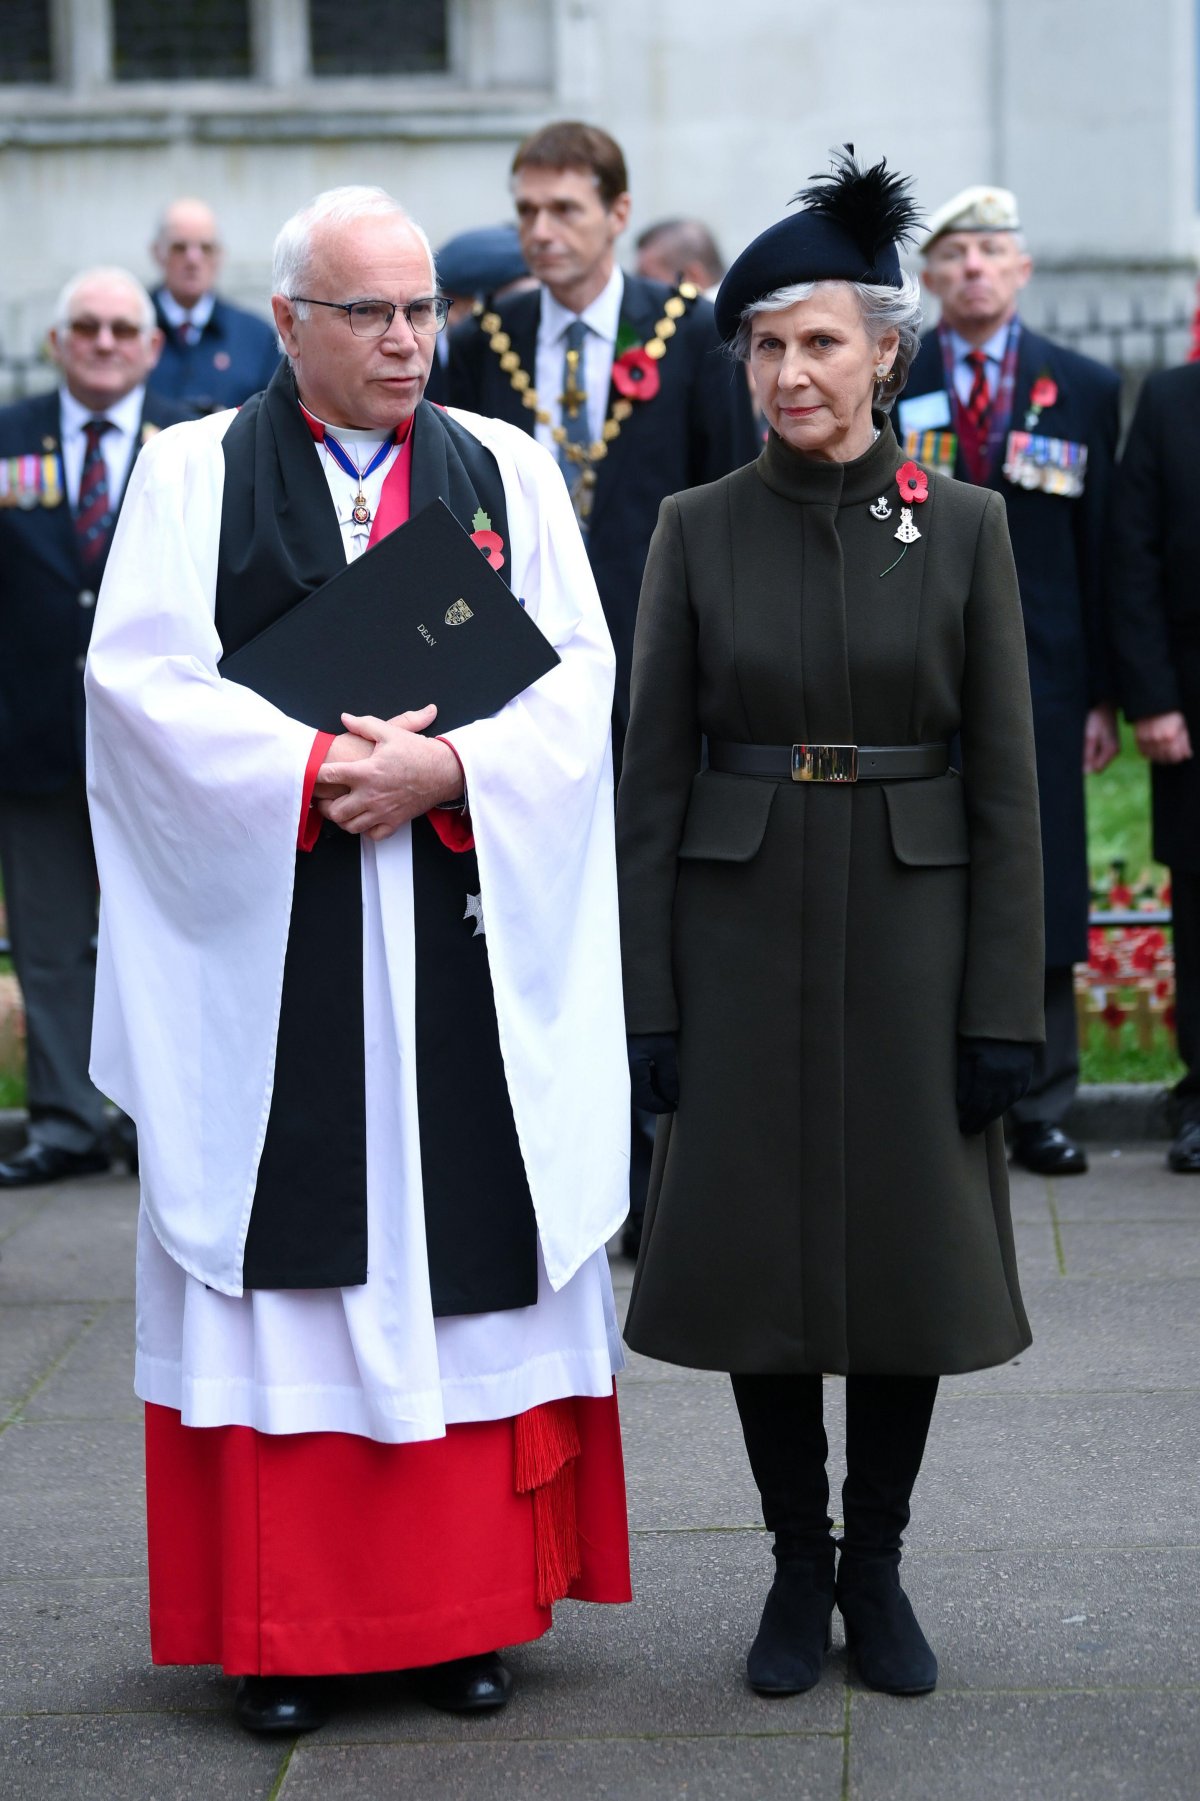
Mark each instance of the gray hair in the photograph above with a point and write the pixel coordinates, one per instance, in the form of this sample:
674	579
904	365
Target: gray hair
882	308
103	272
336	206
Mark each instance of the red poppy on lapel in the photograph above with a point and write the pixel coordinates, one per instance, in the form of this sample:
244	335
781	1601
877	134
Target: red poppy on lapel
913	483
635	375
1044	392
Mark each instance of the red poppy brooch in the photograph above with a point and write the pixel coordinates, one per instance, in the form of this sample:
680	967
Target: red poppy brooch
488	541
1043	393
913	483
635	374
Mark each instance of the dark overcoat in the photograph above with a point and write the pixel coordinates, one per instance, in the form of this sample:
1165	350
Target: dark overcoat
1153	566
47	604
235	356
819	948
1058	546
698	426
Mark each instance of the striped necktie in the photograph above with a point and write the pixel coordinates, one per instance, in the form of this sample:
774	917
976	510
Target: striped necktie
979	400
94	513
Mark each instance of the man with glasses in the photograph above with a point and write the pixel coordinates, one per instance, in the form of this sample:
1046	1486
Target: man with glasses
64	461
362	995
214	353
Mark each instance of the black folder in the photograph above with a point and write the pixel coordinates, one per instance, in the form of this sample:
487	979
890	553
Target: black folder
421	616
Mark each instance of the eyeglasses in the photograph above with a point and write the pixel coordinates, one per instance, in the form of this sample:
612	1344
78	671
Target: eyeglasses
371	318
123	330
180	247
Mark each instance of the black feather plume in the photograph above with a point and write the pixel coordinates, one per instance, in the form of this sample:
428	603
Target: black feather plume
872	205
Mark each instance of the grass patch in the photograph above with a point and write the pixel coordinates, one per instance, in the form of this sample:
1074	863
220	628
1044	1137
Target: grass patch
1118	814
12	1088
1118	1057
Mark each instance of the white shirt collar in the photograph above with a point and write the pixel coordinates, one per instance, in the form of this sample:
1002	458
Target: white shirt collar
125	414
176	315
602	316
993	349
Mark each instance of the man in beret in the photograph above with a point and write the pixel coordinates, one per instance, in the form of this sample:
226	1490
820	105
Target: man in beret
1001	406
474	268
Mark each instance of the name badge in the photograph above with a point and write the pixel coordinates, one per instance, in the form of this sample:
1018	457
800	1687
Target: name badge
936	449
924	412
1053	465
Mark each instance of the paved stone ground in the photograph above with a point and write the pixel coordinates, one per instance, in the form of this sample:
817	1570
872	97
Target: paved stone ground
1054	1559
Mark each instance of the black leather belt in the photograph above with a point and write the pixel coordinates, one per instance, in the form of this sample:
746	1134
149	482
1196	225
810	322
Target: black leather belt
830	762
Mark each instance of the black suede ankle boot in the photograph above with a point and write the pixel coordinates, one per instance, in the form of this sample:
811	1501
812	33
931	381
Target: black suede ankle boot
882	1634
793	1635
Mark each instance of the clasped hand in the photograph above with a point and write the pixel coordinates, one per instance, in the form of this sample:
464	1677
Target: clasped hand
380	773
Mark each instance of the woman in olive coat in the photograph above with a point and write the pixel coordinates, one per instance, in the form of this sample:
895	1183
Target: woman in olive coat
832	939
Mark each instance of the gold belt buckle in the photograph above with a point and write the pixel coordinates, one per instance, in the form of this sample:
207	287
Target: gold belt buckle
824	762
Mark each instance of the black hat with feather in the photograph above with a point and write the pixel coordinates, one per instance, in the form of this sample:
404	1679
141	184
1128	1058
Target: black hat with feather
848	229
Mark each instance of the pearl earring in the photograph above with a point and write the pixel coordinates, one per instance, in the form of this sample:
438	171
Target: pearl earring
881	371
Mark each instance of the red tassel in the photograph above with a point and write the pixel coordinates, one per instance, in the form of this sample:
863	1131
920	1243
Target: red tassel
546	1445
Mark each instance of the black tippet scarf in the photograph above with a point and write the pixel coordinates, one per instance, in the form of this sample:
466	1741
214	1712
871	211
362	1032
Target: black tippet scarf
308	1228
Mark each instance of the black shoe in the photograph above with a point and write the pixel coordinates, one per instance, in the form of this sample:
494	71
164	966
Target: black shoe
465	1685
793	1635
47	1163
1184	1154
1048	1151
882	1633
278	1703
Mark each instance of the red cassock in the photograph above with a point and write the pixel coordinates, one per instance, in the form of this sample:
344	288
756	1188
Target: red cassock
325	1553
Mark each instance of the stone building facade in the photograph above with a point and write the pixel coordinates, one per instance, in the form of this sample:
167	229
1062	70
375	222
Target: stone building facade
108	108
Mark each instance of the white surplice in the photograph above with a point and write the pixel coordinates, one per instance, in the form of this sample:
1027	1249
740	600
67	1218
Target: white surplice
195	786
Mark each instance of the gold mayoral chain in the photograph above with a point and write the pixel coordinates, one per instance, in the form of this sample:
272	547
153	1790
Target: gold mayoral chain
575	396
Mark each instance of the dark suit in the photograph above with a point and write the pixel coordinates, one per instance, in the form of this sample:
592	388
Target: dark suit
698	427
47	603
1058	547
1155	554
235	356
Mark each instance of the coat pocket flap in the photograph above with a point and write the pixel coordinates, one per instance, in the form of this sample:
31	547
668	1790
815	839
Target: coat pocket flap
726	817
928	821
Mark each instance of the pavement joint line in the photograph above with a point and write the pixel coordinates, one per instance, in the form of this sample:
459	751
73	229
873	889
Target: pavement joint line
80	1419
1056	1227
326	1741
13	1417
1047	1545
36	1204
846	1706
281	1773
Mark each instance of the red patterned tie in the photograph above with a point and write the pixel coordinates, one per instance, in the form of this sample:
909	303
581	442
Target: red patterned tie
94	514
979	401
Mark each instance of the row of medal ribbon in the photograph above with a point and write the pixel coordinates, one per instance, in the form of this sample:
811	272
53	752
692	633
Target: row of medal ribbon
30	481
1055	465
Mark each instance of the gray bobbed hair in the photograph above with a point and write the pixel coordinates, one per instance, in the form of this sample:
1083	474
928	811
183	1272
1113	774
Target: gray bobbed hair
336	206
882	309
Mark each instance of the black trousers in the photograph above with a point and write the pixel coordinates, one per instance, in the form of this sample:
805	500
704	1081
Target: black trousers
887	1422
1185	934
1056	1062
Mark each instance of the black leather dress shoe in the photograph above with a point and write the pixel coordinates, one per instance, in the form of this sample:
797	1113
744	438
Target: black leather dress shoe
46	1163
1184	1154
1048	1151
279	1703
465	1685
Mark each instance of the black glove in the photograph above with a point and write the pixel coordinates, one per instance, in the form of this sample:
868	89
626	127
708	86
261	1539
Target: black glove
653	1071
993	1073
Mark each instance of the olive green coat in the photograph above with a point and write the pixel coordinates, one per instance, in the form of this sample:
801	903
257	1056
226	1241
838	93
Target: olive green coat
819	948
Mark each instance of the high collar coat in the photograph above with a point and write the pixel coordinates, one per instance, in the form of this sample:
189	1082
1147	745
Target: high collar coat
819	948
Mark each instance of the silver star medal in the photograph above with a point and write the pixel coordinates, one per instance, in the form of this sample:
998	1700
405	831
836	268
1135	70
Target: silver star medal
475	911
881	509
